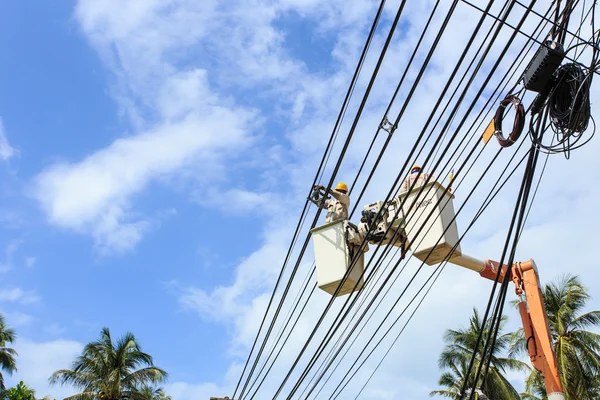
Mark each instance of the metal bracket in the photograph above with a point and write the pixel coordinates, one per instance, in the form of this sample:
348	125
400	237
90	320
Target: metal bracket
387	126
317	197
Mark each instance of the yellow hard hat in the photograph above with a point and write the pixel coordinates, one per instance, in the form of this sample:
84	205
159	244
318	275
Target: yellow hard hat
415	167
342	187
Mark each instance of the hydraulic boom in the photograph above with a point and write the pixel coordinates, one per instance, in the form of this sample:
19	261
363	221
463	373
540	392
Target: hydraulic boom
534	318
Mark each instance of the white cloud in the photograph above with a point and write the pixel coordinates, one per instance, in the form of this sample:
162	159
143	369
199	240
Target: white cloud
180	121
19	295
9	251
6	151
38	360
112	175
30	261
18	319
239	202
54	329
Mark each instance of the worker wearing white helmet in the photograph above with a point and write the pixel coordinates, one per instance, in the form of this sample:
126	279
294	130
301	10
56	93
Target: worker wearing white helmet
337	207
414	173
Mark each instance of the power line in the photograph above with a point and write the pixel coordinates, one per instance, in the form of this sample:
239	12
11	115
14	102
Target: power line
462	122
337	125
434	151
495	66
441	268
413	215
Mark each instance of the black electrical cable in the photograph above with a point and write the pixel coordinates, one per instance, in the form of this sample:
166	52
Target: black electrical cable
320	349
569	103
443	113
359	197
534	194
595	71
338	122
504	284
455	217
556	23
482	208
287	320
473	126
574	35
282	347
361	108
479	93
414	276
394	126
485	202
529	174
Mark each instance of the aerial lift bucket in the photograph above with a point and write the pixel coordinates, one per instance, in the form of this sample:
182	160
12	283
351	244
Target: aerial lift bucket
434	229
334	255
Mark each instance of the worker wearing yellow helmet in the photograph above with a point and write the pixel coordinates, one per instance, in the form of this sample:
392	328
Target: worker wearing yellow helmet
414	175
337	207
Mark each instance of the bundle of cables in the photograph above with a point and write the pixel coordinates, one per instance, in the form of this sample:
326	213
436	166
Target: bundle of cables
569	102
568	109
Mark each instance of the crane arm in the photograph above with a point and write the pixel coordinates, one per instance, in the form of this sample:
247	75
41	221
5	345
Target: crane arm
534	318
536	328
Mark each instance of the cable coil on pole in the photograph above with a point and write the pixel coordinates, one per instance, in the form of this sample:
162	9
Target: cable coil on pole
518	124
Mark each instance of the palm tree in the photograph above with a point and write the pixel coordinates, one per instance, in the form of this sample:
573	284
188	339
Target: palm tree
7	355
460	345
110	371
20	392
148	392
577	348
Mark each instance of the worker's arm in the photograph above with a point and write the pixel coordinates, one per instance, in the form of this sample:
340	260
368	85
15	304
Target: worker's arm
342	197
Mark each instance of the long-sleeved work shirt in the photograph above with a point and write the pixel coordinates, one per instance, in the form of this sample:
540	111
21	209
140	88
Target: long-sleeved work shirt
337	207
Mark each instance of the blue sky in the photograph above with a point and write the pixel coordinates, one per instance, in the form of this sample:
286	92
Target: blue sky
155	158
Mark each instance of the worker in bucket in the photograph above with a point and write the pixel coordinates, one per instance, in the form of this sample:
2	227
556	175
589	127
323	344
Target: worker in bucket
414	175
337	207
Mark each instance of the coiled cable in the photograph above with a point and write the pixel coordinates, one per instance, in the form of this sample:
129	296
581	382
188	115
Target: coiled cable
518	124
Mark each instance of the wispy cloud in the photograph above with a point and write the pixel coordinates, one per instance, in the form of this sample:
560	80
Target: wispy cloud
18	319
180	122
18	295
6	150
10	249
37	362
54	330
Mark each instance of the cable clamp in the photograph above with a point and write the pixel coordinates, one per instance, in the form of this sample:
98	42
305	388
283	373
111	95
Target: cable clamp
387	126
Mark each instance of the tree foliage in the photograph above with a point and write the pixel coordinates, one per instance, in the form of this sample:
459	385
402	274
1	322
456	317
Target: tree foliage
7	355
455	358
109	370
577	348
